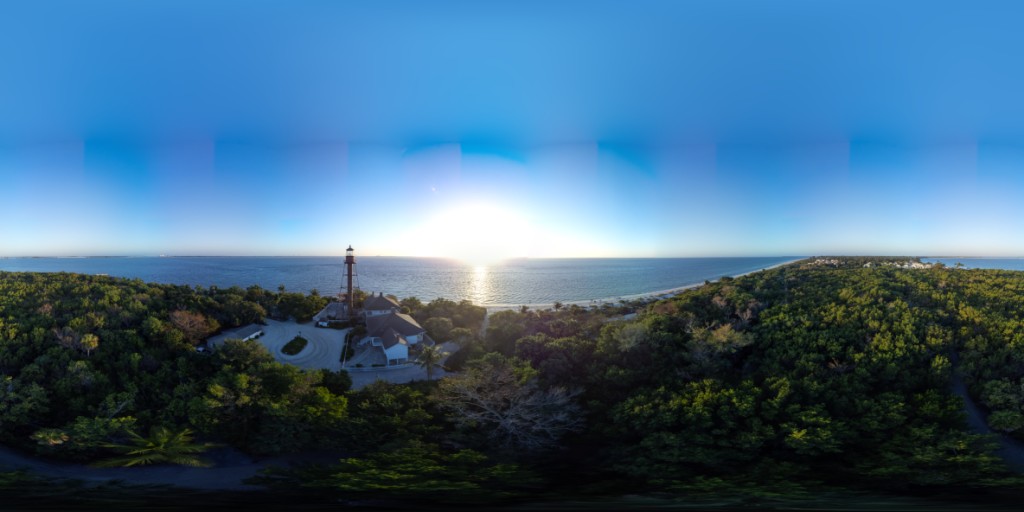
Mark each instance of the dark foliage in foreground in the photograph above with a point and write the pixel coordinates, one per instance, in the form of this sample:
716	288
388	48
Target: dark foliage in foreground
787	382
86	360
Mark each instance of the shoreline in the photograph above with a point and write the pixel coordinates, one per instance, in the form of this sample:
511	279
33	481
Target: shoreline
659	294
656	294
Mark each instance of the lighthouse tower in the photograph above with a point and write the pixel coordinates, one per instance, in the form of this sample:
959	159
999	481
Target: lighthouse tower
350	270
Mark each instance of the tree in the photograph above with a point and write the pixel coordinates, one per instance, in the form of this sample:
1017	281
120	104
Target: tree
503	329
246	356
66	337
69	338
412	303
704	425
710	348
503	399
430	358
336	382
83	437
461	335
163	446
411	470
469	348
193	325
88	343
302	307
383	412
21	403
358	297
267	407
440	328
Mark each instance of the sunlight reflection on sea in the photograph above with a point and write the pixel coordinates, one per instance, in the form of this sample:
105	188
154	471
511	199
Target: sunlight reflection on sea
523	281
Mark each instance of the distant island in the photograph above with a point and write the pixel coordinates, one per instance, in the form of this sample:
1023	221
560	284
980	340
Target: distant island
832	378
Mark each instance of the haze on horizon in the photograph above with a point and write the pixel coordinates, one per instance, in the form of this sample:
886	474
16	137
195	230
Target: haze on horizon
506	129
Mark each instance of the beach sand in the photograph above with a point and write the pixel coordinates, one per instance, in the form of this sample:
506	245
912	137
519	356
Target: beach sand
660	294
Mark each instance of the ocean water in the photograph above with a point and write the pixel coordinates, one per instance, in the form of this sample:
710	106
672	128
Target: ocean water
526	281
991	263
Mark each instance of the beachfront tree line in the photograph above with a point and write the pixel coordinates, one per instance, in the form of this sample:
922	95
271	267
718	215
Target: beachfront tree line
801	377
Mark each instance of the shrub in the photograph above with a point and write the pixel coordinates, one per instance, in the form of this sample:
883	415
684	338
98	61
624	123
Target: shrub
294	346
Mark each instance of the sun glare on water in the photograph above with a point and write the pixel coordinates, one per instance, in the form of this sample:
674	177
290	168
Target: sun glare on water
478	234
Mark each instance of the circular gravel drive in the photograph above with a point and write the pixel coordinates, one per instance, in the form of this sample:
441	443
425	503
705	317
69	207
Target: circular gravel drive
322	351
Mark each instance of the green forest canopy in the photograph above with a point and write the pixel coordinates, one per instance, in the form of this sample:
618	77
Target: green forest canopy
794	378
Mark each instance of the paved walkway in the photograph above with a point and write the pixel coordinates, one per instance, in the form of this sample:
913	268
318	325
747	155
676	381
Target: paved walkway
364	377
366	356
231	467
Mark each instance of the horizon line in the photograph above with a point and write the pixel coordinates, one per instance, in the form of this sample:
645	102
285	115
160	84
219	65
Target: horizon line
112	256
78	256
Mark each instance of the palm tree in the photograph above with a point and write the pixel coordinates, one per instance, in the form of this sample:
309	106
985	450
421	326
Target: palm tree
430	358
163	446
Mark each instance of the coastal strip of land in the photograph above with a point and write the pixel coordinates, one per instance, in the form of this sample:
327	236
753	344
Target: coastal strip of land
660	294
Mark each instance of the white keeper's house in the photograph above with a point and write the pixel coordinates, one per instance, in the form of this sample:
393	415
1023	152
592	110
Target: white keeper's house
376	305
390	331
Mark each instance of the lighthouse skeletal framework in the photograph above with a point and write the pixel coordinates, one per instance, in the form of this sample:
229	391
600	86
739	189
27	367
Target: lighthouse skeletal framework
350	270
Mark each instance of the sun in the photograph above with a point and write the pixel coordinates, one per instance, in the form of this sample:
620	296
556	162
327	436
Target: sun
478	233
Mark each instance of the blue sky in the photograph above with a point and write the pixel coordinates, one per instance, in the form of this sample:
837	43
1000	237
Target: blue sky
511	128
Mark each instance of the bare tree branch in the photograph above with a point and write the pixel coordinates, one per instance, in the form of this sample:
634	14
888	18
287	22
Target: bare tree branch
515	414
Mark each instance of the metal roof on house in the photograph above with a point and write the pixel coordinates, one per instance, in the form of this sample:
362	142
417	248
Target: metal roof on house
402	324
380	303
333	310
390	338
237	334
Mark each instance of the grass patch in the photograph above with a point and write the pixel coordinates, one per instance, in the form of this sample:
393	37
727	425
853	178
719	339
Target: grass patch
294	346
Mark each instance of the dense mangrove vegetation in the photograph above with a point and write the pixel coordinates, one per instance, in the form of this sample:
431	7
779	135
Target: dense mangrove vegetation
826	376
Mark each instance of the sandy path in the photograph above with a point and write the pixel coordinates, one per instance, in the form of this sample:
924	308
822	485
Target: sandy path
1010	449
